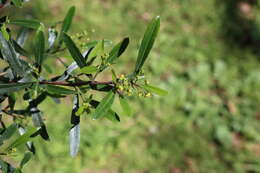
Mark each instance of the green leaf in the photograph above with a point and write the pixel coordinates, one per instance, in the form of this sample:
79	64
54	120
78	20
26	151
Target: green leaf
13	87
27	156
67	20
101	87
74	140
74	133
11	101
10	56
18	170
125	106
104	106
17	3
74	51
59	90
36	115
147	43
44	133
39	47
156	90
4	32
4	166
19	49
114	78
89	69
28	23
29	144
52	35
80	111
8	133
118	50
98	50
111	115
22	139
22	36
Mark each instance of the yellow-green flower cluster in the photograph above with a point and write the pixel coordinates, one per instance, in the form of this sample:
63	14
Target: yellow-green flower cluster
125	86
81	39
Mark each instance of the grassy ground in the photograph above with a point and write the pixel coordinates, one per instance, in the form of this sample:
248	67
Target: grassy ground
209	122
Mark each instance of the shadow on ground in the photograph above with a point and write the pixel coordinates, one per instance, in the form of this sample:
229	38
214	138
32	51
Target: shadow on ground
241	23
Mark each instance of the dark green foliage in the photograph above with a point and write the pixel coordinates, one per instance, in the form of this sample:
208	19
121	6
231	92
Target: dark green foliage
27	23
74	51
12	87
147	43
104	106
39	48
67	21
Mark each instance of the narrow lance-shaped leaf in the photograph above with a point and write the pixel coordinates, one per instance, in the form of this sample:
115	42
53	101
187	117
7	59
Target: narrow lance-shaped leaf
52	36
98	49
22	36
59	90
3	166
19	49
147	43
125	106
67	73
13	87
36	115
4	32
156	90
17	3
111	115
39	47
74	51
10	56
118	50
67	21
9	131
44	133
11	101
27	156
23	139
17	170
6	167
104	105
89	69
29	144
28	23
74	133
74	140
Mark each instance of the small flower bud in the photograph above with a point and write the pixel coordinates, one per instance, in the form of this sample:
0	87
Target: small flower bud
121	88
122	77
148	95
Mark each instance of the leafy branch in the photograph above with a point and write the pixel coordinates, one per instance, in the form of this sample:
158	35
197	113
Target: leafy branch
22	79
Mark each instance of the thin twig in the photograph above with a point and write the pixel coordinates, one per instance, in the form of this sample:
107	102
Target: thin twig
12	115
3	73
77	83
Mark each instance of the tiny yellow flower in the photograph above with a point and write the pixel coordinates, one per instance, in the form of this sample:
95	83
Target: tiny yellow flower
148	95
121	88
122	77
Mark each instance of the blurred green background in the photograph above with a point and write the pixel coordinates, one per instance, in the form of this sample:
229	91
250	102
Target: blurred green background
206	56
